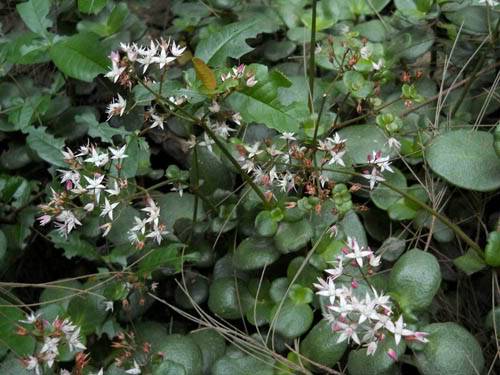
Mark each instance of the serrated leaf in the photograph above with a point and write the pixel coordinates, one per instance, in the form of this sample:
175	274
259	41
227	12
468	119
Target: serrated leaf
466	159
80	56
74	246
91	6
261	103
9	321
34	14
229	41
46	146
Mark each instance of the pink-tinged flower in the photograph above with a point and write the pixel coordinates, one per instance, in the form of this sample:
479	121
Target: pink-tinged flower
31	363
374	177
371	348
251	81
66	221
392	354
380	161
44	219
238	71
348	332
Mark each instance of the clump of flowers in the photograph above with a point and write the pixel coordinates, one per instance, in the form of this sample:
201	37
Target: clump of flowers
92	185
51	335
366	320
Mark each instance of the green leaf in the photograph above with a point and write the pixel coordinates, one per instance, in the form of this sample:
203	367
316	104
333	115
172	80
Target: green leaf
34	14
358	86
321	346
183	351
382	196
229	41
255	253
99	130
362	140
229	299
46	146
451	350
236	363
88	311
211	344
470	262
91	6
9	321
492	250
265	224
414	280
292	320
359	363
160	257
74	246
466	159
80	56
292	237
261	103
174	207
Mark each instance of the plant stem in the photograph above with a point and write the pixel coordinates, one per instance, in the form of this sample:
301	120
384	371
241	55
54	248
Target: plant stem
312	48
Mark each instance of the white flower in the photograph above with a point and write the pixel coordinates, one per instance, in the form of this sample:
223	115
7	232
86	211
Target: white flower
89	207
30	318
348	332
101	372
373	177
74	342
251	81
237	118
108	208
115	72
157	233
130	50
215	107
134	370
147	56
326	288
176	50
140	225
222	129
288	136
66	222
365	52
273	175
108	305
68	155
337	158
394	143
153	212
118	153
115	190
106	228
31	364
253	150
357	253
98	159
380	161
207	142
163	59
371	348
44	219
116	107
95	185
378	65
50	345
398	329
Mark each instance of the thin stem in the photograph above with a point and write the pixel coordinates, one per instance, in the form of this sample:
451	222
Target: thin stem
312	48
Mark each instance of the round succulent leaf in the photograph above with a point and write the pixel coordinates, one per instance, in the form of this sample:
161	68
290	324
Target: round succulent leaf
300	294
236	363
228	300
212	346
265	224
292	320
492	320
359	363
382	196
151	332
492	250
197	287
277	50
321	346
259	313
414	280
184	351
292	237
174	207
392	248
362	140
254	253
278	289
451	350
308	274
466	159
169	367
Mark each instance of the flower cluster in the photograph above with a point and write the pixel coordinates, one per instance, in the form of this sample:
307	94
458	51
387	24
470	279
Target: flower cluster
92	185
52	336
367	319
238	73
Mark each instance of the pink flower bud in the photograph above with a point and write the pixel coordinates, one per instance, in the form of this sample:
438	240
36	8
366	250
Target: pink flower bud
392	353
